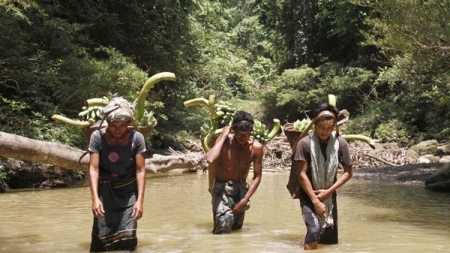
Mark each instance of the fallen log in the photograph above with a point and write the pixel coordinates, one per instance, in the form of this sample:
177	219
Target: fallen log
381	160
159	163
26	149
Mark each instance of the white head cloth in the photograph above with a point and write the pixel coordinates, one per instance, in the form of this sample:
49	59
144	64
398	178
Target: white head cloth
119	110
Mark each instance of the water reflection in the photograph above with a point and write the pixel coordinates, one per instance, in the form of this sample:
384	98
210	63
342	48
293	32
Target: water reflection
373	217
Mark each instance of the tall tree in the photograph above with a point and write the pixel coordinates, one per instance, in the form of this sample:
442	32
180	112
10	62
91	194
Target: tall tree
414	37
314	31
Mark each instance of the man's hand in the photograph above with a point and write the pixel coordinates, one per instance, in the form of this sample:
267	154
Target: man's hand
97	208
322	194
226	130
320	208
240	206
138	210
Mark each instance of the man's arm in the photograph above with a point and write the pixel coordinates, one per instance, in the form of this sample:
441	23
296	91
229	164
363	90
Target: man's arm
302	168
138	208
258	152
97	205
348	173
214	152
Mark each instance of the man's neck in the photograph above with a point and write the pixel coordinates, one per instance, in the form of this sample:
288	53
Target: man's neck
324	141
240	146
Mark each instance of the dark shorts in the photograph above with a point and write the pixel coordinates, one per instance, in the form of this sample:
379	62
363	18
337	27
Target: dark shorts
313	234
224	196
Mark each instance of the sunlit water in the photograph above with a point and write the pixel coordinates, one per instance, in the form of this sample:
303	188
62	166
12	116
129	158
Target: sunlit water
373	217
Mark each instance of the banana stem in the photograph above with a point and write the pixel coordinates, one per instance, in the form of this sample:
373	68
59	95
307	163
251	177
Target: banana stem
275	130
71	122
359	137
212	110
209	137
96	102
196	101
206	141
140	105
332	100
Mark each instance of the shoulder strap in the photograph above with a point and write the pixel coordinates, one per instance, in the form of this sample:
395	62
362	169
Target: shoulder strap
83	155
87	151
311	124
303	134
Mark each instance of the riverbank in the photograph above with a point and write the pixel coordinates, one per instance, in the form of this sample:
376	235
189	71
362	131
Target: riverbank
369	164
413	174
387	163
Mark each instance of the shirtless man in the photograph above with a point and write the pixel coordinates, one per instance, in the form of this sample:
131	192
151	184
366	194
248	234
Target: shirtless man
231	156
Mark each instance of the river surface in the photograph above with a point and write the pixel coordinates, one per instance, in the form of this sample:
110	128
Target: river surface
373	217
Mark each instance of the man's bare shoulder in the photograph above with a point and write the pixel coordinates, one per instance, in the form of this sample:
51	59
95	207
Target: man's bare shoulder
257	145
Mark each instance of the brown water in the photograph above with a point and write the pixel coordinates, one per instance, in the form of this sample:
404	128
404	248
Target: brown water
373	217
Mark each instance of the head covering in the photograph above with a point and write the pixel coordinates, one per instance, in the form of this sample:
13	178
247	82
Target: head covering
324	113
118	110
311	124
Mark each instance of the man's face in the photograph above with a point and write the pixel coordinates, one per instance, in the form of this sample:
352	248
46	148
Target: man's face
324	129
117	128
242	137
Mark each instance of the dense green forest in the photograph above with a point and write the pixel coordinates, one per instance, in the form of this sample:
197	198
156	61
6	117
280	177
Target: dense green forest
386	61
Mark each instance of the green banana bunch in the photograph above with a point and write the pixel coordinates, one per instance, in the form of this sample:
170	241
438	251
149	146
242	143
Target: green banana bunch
206	128
301	125
224	111
262	134
147	119
221	115
260	131
221	112
92	108
91	112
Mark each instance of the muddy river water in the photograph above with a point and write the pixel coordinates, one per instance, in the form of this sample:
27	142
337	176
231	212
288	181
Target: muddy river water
373	217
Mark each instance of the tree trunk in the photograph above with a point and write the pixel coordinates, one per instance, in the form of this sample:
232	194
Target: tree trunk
26	149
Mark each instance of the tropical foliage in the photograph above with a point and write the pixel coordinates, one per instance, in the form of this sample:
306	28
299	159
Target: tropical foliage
386	61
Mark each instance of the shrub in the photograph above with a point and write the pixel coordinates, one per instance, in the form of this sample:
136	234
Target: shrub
391	131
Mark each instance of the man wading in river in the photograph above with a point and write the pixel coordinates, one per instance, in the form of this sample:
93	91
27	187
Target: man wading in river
232	155
313	177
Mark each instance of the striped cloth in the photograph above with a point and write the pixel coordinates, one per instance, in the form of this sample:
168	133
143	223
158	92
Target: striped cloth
117	229
324	171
